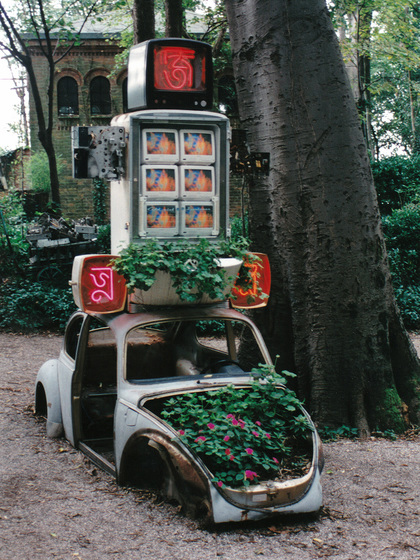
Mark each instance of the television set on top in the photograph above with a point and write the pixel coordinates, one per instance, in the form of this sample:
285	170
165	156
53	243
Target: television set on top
170	74
197	181
159	181
160	145
197	146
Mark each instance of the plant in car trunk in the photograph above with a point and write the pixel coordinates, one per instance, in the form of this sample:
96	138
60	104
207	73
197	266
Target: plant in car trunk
193	267
245	435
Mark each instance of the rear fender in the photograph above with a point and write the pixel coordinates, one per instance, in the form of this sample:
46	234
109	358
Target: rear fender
47	398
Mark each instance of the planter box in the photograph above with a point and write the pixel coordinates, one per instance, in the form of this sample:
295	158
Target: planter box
163	293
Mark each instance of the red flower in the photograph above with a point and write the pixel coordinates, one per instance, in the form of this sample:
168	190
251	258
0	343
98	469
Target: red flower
200	439
276	460
181	432
211	426
258	423
254	433
235	422
250	475
226	438
249	451
268	436
231	458
227	451
220	484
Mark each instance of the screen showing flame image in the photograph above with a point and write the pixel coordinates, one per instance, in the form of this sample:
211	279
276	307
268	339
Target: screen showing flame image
198	180
198	144
199	216
159	216
162	180
161	143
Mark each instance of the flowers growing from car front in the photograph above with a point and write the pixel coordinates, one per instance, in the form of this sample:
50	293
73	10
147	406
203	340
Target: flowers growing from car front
244	435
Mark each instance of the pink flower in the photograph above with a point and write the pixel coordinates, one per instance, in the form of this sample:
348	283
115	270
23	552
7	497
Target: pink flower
200	439
250	475
227	451
242	423
276	460
181	432
219	483
211	426
258	423
226	438
230	416
231	458
235	422
268	436
249	451
254	433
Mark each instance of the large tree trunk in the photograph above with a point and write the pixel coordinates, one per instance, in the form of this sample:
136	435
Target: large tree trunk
332	315
143	20
174	16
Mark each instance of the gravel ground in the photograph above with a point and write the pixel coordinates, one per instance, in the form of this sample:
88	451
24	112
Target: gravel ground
55	505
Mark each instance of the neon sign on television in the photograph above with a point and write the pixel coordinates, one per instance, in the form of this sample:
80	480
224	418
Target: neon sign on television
170	73
97	287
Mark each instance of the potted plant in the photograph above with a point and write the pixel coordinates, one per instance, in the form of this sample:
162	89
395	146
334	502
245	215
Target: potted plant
182	272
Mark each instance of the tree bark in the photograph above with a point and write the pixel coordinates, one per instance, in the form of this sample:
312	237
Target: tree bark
174	16
332	315
143	20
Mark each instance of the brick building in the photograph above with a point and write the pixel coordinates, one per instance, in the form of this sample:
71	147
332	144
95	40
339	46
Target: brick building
87	91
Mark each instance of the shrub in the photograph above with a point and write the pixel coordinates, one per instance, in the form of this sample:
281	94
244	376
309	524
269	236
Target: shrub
402	234
29	306
397	182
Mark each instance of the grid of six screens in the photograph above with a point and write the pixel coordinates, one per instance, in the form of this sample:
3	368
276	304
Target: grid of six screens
178	182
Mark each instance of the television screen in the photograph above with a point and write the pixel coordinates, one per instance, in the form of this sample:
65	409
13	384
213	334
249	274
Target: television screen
197	181
159	219
199	218
160	145
160	180
197	146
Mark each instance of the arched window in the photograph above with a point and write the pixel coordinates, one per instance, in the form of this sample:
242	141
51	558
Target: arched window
67	96
100	96
124	95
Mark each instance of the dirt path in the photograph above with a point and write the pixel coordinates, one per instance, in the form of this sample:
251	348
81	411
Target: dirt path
55	505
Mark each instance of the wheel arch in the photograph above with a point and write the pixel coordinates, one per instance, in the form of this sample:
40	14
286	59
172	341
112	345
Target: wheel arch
47	398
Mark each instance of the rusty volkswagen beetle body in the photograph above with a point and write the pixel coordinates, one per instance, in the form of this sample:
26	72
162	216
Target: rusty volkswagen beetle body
105	393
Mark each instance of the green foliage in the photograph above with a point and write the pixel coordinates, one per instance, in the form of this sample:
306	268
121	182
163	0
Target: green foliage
29	306
397	182
244	434
402	234
390	412
103	241
13	245
239	227
192	266
332	434
100	188
40	171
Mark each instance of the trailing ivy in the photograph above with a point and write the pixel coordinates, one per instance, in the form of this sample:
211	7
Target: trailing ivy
100	188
